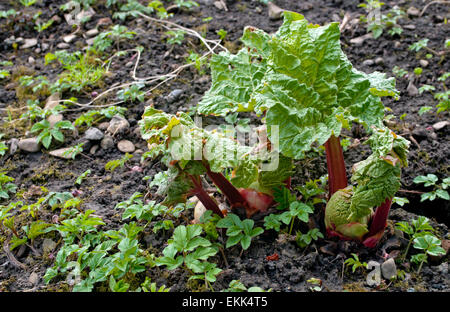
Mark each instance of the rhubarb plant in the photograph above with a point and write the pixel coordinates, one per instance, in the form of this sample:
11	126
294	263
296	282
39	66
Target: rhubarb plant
192	153
303	84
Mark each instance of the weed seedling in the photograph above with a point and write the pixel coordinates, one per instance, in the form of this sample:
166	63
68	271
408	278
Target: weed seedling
48	132
430	245
431	180
355	263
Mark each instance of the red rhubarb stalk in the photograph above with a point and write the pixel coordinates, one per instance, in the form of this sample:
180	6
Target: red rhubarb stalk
204	197
378	224
337	176
231	193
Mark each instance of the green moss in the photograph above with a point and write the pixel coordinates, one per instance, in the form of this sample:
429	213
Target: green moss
354	287
195	285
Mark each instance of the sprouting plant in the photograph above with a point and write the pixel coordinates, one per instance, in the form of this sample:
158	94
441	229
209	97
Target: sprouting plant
3	147
73	151
444	102
48	132
27	3
33	230
355	263
418	71
399	72
40	26
222	33
377	23
158	7
33	208
93	116
175	36
431	180
237	286
113	164
430	245
401	201
115	35
304	240
239	231
419	45
6	217
81	71
187	247
426	88
418	227
6	14
132	93
188	4
6	186
148	286
198	61
76	228
57	199
82	176
4	73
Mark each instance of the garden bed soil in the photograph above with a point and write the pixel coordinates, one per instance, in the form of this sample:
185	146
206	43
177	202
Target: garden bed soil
102	190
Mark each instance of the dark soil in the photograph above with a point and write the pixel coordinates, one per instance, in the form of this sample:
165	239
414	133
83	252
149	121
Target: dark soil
102	190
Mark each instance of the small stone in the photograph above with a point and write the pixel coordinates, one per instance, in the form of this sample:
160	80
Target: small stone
410	27
275	12
34	278
56	19
48	245
379	61
63	45
219	5
126	146
29	43
412	11
389	269
52	101
31	60
103	126
93	134
45	46
93	149
129	64
69	38
412	89
118	124
397	44
174	95
64	153
92	32
13	145
53	119
423	63
138	152
107	142
106	21
358	41
199	210
368	63
441	125
29	145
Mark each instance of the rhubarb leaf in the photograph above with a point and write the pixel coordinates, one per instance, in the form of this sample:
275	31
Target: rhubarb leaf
303	81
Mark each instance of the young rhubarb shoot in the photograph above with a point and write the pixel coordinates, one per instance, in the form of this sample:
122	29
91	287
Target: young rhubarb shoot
191	152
